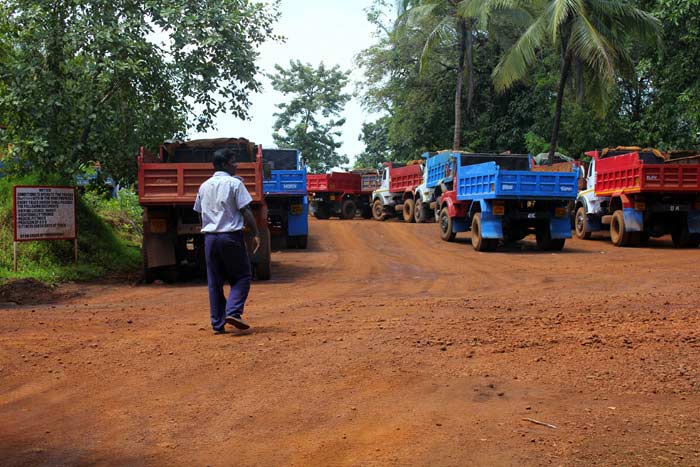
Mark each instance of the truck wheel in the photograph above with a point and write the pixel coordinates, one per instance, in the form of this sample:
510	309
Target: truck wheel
682	238
302	241
348	209
583	230
419	214
545	242
445	223
378	210
478	241
322	212
262	269
618	235
409	207
149	275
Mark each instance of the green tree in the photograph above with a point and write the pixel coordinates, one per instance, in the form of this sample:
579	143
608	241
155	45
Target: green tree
375	135
84	80
447	23
591	36
310	121
666	97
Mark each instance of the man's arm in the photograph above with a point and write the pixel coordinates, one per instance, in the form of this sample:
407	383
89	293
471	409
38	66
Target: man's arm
250	221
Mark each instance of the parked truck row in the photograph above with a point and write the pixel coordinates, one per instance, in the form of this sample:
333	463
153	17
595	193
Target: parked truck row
633	193
501	198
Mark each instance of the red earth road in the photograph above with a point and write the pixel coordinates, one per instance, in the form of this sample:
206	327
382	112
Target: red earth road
380	345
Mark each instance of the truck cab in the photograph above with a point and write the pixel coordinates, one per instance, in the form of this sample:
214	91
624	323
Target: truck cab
396	194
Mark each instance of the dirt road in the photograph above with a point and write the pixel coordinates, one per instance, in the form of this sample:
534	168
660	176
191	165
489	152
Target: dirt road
380	345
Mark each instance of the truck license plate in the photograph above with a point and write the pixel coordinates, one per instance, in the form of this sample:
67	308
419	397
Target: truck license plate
295	208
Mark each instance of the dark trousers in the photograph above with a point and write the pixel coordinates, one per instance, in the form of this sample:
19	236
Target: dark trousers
227	261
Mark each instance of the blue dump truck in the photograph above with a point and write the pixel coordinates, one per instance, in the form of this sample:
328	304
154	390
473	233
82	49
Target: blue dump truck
501	198
284	186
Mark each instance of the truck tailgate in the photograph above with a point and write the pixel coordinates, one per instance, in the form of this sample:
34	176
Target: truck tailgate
178	183
488	181
334	182
627	173
286	182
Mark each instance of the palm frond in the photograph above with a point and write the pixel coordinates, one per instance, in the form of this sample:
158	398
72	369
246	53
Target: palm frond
591	46
439	34
416	15
515	63
635	22
560	13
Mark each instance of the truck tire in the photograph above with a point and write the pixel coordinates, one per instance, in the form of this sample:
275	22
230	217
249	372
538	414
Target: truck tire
378	210
478	241
445	223
419	214
348	209
544	239
618	235
262	269
409	207
682	238
302	241
322	212
581	226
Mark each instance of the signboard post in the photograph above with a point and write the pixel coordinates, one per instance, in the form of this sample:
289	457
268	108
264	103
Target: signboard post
44	213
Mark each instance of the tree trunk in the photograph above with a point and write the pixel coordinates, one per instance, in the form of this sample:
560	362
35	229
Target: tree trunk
565	67
457	140
470	65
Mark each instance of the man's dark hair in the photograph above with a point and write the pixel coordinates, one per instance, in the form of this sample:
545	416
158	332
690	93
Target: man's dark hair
221	157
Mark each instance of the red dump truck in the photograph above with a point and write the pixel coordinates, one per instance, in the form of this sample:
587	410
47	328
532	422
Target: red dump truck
396	194
641	193
341	194
168	183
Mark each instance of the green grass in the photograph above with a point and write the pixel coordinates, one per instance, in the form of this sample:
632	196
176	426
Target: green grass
100	251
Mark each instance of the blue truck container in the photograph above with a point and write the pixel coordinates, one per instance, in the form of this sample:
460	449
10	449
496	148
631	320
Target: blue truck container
284	186
439	168
501	198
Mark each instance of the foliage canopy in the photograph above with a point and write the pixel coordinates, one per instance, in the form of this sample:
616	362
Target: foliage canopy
311	121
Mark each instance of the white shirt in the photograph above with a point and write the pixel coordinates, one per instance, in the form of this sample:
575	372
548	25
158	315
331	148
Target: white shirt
220	200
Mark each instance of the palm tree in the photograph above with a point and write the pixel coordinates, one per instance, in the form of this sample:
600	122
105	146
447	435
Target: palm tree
450	23
591	35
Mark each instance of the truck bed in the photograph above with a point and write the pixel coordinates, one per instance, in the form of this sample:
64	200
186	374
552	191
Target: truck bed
335	182
285	182
440	168
488	181
177	183
628	174
405	178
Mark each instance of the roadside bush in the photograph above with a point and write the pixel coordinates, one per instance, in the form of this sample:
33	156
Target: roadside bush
100	251
123	214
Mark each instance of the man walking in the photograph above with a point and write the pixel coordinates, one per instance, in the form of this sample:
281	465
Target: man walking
224	204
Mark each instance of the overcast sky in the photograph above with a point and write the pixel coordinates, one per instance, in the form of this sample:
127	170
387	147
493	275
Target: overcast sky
332	31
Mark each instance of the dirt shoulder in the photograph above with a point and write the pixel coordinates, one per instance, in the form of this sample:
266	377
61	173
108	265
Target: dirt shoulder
380	345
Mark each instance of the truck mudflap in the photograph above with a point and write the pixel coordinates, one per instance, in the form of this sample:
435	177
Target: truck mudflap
560	227
694	221
297	222
491	224
634	220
